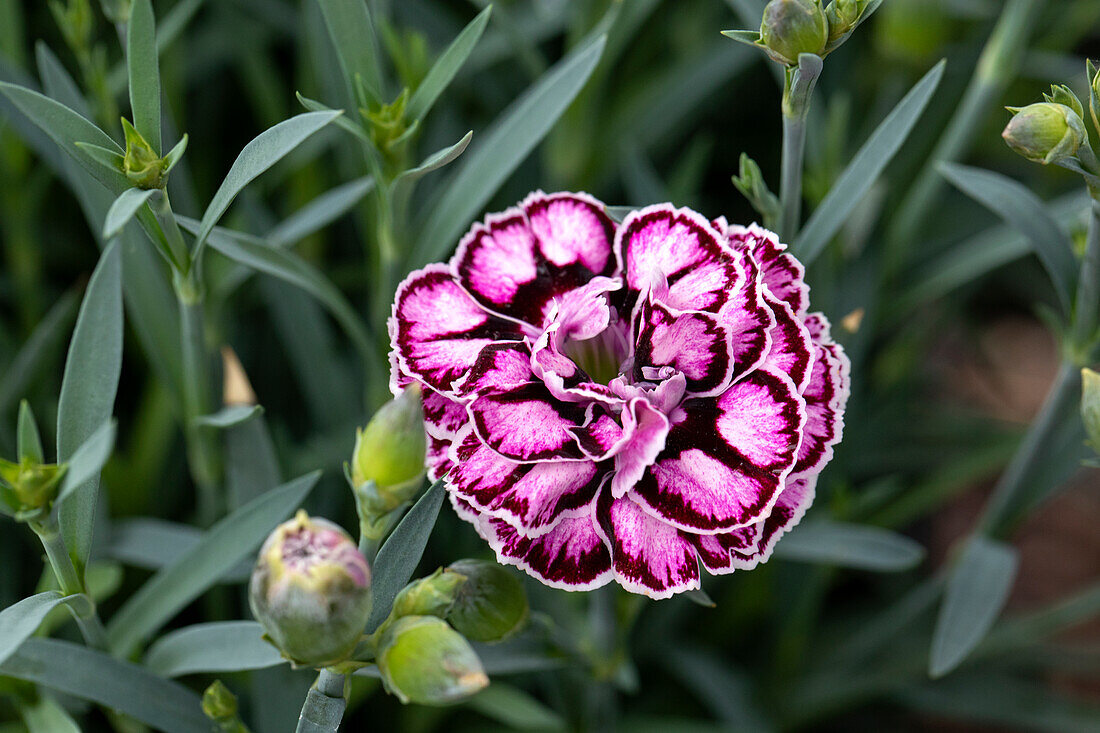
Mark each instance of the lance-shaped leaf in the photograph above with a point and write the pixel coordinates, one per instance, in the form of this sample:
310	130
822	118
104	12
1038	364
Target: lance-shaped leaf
46	716
45	340
342	122
502	149
265	150
19	621
1026	212
976	592
88	460
865	168
352	33
222	546
400	554
223	646
435	161
28	443
125	207
229	416
116	685
88	393
144	71
850	545
320	212
446	66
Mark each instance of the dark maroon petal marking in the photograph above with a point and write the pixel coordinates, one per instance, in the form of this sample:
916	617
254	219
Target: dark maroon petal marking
499	367
748	320
792	350
826	395
725	460
648	555
437	330
788	511
715	549
783	275
692	343
572	556
527	424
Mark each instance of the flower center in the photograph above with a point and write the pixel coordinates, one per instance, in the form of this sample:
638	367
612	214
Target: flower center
602	357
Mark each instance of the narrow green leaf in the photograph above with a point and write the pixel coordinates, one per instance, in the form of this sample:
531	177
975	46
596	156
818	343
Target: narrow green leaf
173	156
252	466
222	546
88	392
435	161
44	341
117	685
865	168
264	151
143	66
352	33
342	122
28	442
725	690
88	460
850	545
701	598
400	554
976	591
144	542
19	621
515	709
618	213
229	416
446	66
1026	212
320	212
67	128
124	209
46	716
502	149
223	646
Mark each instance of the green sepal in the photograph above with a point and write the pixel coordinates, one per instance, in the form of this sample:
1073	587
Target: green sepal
750	182
109	159
28	441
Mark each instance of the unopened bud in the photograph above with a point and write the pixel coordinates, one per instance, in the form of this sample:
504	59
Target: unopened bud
1045	132
310	590
142	165
1094	92
1090	406
491	605
430	596
793	27
843	15
29	485
390	452
423	660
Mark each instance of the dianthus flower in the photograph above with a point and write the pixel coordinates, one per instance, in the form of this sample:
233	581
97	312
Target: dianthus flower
621	402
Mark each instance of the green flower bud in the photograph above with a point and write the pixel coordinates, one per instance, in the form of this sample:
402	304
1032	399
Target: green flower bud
220	705
1094	92
390	452
310	590
142	165
1090	406
793	27
490	605
425	661
430	596
1045	132
30	486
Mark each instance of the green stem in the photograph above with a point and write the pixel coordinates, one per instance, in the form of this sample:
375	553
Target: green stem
71	583
1088	289
798	88
325	703
177	253
997	66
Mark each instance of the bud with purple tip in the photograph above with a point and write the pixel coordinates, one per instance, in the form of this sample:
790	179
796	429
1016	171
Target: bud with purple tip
311	591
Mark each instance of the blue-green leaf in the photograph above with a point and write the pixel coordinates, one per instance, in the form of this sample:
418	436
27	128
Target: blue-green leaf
865	168
144	72
46	716
223	646
352	33
435	161
502	149
515	709
19	621
28	443
222	546
446	66
88	460
229	416
1026	212
144	542
36	350
117	685
400	554
264	151
850	545
976	591
320	212
125	207
88	392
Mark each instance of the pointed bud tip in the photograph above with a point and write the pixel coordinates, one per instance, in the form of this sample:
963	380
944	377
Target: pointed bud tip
793	27
1045	132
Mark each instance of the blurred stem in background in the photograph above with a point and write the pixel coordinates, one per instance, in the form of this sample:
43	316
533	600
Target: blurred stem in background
798	88
997	66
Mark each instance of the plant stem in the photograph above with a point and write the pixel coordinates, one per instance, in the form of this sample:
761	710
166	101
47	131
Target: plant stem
178	254
798	87
997	66
71	583
324	705
1088	289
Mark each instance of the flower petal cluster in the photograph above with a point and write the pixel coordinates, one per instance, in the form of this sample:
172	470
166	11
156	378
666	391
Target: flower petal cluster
621	402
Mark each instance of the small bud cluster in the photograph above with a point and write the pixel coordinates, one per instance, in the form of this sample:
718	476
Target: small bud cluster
29	485
790	28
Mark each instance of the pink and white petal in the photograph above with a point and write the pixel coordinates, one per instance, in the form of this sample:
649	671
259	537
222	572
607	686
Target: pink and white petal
648	556
692	343
530	496
572	556
499	367
443	416
437	330
826	395
783	275
527	424
647	429
748	320
661	244
601	436
563	378
572	229
792	350
726	459
438	458
716	550
788	511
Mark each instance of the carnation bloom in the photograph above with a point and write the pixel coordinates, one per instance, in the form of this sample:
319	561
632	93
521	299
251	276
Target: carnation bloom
621	402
